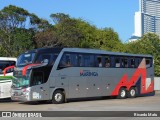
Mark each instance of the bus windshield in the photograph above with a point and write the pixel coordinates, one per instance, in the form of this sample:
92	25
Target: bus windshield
25	59
21	81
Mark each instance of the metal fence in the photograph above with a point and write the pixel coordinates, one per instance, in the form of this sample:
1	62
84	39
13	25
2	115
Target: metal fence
157	83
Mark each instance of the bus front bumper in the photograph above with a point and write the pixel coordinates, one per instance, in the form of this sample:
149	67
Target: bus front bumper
20	95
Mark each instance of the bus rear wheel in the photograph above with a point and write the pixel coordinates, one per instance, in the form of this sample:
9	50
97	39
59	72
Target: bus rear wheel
132	93
58	97
122	93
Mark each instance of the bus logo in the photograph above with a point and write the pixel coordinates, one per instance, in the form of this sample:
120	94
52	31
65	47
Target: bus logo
88	73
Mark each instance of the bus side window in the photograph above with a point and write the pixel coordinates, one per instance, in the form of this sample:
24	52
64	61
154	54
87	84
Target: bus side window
79	61
107	62
68	60
73	60
65	61
138	61
99	61
124	62
117	62
88	60
148	63
132	60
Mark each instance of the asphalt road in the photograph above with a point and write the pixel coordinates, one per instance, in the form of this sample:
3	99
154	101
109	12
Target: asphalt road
149	103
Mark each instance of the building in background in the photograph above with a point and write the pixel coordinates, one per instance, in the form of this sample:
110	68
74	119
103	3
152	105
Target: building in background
147	19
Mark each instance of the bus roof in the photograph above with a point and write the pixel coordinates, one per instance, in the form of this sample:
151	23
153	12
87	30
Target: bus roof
84	50
44	50
8	58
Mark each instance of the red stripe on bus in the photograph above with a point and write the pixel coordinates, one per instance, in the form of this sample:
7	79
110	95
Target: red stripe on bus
26	67
125	82
7	68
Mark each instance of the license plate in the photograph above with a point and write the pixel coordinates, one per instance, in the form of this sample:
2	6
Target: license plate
16	93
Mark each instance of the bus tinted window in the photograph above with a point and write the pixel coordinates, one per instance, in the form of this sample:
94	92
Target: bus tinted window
99	61
37	78
107	62
65	61
25	59
138	61
4	64
117	62
88	60
42	57
148	63
68	60
124	62
79	60
132	62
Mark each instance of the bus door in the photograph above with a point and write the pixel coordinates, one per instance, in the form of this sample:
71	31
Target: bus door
39	89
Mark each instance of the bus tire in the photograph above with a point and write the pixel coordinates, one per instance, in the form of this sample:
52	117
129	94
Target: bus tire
58	97
132	93
122	93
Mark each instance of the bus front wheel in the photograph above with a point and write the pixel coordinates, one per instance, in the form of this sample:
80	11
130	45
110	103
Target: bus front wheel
122	93
58	97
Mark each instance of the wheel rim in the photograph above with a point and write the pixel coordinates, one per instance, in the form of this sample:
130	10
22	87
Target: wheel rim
123	93
132	92
58	97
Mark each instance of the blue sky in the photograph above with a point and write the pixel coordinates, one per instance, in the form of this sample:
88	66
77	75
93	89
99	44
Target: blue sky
118	14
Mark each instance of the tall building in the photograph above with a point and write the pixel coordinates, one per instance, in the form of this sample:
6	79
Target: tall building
147	19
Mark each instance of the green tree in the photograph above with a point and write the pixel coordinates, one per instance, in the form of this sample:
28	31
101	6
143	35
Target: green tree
108	39
23	41
11	17
66	30
148	44
15	36
47	38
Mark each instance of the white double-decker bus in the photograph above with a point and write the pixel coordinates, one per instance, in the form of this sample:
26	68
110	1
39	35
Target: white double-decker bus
6	72
59	74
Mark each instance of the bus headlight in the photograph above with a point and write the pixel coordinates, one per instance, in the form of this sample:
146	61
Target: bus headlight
26	90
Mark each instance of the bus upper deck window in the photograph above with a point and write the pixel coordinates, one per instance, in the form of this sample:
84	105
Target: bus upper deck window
99	60
148	63
107	62
80	60
132	62
117	62
124	62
